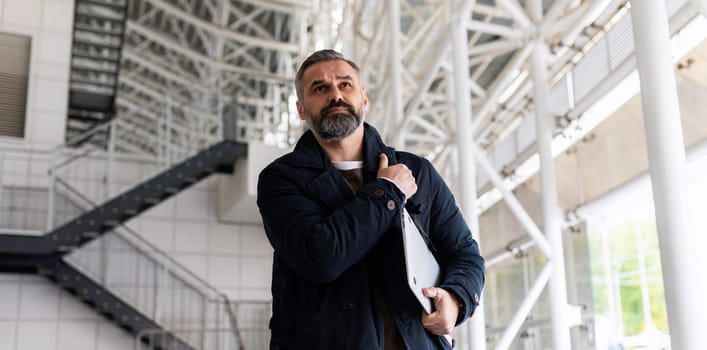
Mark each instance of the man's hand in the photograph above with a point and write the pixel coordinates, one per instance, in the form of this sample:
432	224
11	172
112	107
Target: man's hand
443	319
399	174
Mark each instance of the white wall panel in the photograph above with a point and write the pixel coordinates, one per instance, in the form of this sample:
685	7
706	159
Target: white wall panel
76	336
158	232
22	13
39	301
254	242
49	125
7	328
620	41
111	337
224	238
58	16
256	272
36	335
196	263
194	204
70	308
191	237
591	70
224	271
50	96
55	47
163	210
52	71
9	300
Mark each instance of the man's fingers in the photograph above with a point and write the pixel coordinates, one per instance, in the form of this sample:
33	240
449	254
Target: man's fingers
383	161
433	293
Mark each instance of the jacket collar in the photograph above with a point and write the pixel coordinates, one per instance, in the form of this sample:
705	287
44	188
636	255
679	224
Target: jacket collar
309	153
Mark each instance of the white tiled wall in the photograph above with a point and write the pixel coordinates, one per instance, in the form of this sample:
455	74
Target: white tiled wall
236	259
49	23
36	315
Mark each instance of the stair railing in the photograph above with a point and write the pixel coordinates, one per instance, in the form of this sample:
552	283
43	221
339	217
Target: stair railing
116	156
154	284
252	332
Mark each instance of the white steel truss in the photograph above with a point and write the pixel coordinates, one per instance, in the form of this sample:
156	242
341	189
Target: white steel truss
193	63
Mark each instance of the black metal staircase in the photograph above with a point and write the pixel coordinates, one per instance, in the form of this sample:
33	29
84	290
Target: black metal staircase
45	254
107	303
95	63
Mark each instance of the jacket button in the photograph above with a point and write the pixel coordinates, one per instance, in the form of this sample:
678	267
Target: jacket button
390	205
347	304
378	192
476	298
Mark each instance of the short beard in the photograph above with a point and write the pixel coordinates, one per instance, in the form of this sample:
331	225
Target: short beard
337	126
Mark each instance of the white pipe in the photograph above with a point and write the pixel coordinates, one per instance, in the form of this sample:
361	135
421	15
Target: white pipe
514	9
430	74
556	10
666	154
495	48
552	214
524	309
501	82
496	29
590	15
396	93
467	166
512	250
701	5
534	9
513	204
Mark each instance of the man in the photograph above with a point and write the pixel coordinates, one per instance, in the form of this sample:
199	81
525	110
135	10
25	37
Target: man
332	212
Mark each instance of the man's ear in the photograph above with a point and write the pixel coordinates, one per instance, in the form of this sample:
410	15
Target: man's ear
300	109
364	93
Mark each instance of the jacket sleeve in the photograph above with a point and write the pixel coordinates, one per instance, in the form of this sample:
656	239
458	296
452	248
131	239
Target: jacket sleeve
458	253
321	247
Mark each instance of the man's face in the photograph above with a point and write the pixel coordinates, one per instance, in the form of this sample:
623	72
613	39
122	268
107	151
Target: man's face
333	104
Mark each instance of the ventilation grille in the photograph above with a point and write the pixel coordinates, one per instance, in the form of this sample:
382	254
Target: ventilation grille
14	68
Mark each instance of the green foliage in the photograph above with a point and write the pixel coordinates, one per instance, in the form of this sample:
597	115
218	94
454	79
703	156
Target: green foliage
624	273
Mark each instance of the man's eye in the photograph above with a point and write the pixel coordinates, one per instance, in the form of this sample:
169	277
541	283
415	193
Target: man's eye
345	84
319	88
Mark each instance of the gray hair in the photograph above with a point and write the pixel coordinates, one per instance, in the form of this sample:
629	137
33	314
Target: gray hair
316	57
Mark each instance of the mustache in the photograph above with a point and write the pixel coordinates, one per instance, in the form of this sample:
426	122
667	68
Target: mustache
336	104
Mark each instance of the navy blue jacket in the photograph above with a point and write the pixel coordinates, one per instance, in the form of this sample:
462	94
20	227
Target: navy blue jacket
336	253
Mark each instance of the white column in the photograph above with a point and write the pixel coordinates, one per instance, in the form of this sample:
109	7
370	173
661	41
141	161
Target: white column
396	86
666	154
552	215
464	137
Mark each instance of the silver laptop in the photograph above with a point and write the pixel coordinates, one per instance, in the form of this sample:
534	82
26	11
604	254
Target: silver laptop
422	267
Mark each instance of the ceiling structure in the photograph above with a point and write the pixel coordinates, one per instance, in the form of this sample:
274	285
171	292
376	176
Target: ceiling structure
192	63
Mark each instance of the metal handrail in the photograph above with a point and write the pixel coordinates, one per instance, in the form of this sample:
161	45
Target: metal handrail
148	244
234	322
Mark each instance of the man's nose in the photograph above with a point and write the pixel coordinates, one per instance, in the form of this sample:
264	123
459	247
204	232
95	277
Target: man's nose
336	95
